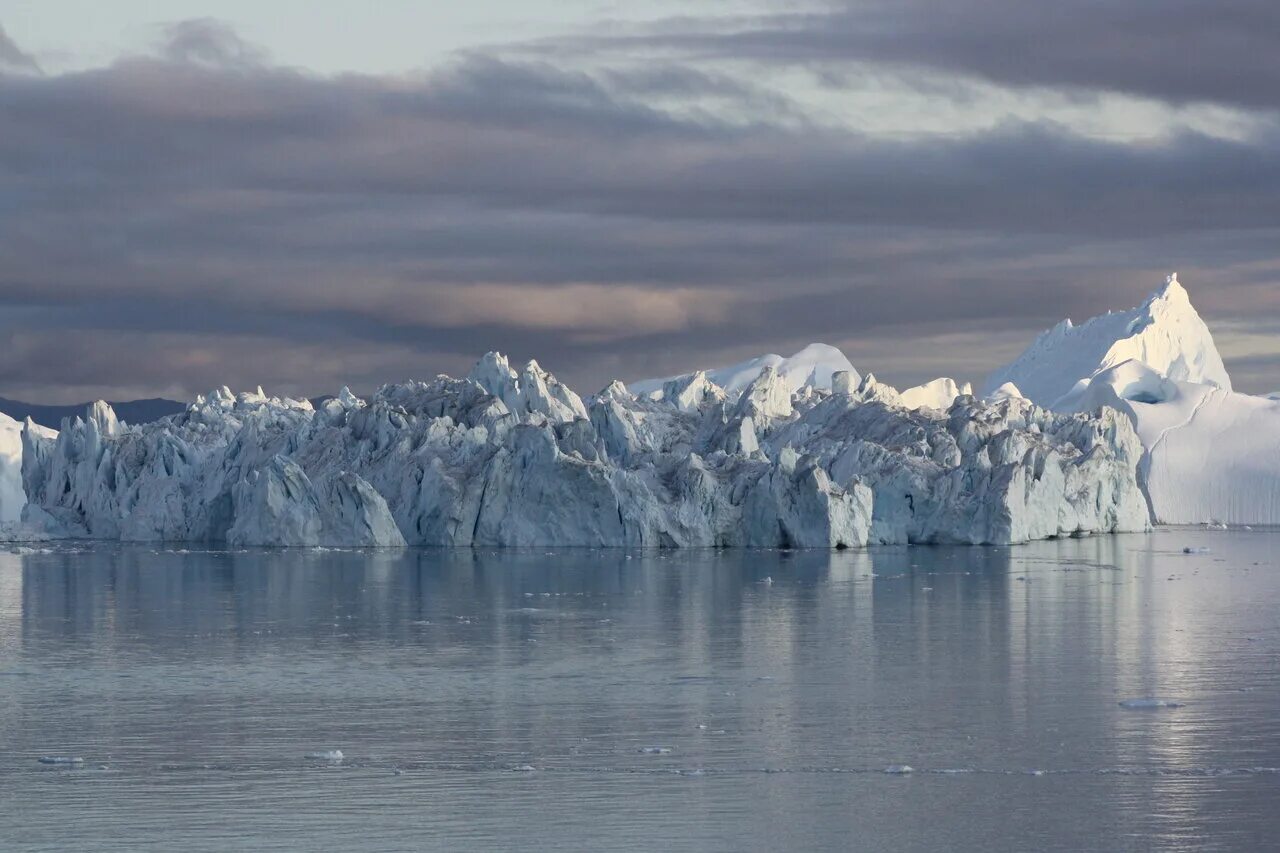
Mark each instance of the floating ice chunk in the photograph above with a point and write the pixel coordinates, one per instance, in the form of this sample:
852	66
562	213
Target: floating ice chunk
899	769
1150	703
60	759
523	768
654	750
334	755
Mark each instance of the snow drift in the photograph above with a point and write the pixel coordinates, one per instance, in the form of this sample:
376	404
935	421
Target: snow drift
508	457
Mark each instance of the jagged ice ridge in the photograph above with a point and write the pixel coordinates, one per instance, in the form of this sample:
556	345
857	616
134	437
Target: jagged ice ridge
512	458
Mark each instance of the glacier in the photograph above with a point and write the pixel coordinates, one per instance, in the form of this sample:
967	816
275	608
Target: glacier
508	457
1211	454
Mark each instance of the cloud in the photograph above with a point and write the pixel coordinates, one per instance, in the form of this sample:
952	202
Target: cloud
12	58
209	42
305	231
1179	51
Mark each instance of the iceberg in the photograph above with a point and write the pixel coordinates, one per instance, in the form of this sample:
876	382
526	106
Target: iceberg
508	457
1210	454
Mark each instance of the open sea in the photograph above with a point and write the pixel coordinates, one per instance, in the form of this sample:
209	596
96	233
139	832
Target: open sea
1111	693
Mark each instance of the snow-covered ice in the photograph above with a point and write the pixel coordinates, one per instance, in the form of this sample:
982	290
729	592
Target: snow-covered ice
1211	454
814	365
938	394
1164	332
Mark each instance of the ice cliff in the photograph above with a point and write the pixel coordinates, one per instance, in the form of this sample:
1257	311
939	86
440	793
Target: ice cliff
12	497
511	457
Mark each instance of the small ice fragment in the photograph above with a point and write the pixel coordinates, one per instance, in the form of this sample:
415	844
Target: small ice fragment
702	726
1037	772
768	581
1149	703
654	750
60	759
899	769
326	755
524	768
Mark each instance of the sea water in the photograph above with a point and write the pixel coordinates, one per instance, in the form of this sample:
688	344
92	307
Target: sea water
1107	693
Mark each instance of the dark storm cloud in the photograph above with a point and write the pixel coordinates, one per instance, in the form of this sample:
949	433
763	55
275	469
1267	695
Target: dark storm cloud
12	57
1173	50
174	222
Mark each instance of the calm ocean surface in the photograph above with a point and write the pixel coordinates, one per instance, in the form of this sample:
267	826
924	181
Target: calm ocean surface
605	700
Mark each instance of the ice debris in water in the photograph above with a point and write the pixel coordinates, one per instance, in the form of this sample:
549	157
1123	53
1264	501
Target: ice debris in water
899	769
654	750
60	759
1149	703
326	755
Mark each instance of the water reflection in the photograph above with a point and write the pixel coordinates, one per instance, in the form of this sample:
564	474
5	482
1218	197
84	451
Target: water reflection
453	664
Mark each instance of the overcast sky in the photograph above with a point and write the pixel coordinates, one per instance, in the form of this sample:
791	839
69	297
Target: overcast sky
307	195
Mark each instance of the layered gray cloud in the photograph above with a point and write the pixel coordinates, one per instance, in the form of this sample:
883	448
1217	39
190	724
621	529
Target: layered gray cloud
12	57
200	216
1172	50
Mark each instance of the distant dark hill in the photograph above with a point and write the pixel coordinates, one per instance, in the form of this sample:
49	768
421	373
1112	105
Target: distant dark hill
133	411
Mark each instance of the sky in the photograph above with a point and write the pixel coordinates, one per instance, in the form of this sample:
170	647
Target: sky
195	194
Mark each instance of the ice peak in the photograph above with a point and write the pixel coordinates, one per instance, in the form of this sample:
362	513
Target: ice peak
1164	332
104	417
1172	292
534	391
